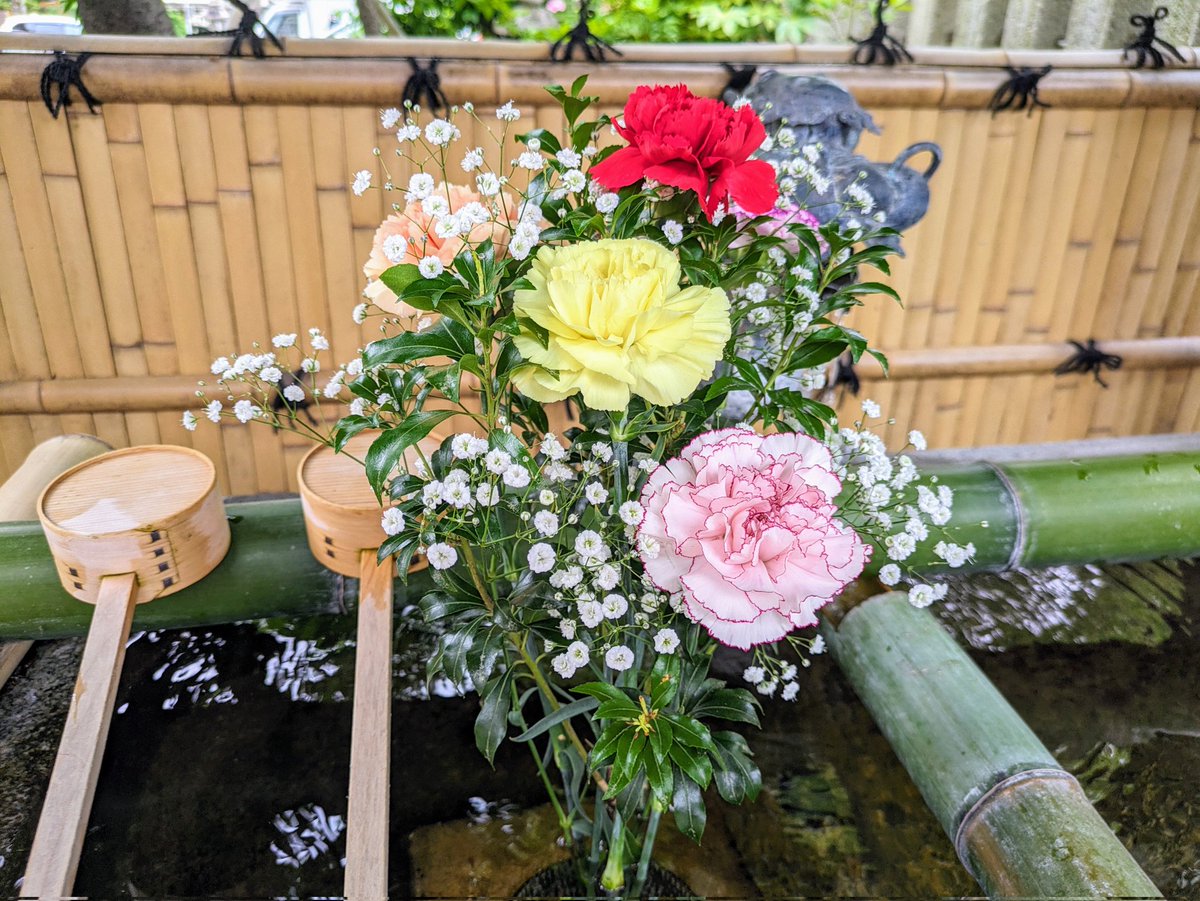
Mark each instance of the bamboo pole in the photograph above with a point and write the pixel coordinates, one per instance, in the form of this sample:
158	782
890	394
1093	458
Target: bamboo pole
1021	825
154	393
18	501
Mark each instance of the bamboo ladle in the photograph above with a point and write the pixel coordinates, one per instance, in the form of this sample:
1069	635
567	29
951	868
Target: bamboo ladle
125	528
343	521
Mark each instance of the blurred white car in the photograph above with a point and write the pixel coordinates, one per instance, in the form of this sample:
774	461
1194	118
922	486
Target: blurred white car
313	19
41	25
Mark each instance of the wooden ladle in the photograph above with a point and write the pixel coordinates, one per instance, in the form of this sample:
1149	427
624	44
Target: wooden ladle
125	528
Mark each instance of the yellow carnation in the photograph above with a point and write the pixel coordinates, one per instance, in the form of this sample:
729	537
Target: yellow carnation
619	325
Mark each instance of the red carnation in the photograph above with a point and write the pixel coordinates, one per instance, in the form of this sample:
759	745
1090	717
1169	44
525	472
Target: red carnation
694	144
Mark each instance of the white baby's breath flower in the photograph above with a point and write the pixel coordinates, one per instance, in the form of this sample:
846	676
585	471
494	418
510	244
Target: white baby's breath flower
545	522
431	267
614	606
530	160
271	375
496	461
900	546
245	410
220	364
606	203
362	181
441	132
574	181
284	340
359	314
189	420
920	595
756	292
488	184
666	641
389	117
591	547
917	440
393	521
871	409
754	674
595	493
649	547
310	365
508	113
487	495
607	577
516	476
294	393
472	159
358	406
673	231
569	158
591	613
541	559
889	574
790	690
420	186
441	555
563	666
619	658
409	132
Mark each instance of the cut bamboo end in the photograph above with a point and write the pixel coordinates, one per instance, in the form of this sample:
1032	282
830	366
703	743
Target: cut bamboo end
151	511
342	516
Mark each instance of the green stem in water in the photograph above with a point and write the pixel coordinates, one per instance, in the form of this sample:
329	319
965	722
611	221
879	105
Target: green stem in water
614	869
643	867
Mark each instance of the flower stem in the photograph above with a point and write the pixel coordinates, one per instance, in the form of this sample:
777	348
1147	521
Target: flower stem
613	878
643	867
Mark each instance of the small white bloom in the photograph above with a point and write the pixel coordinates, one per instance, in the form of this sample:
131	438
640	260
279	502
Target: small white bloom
189	420
574	181
441	555
496	461
508	113
768	688
606	203
790	690
457	494
244	410
220	364
649	547
318	341
358	406
520	248
563	666
666	641
284	340
889	574
578	653
389	117
420	186
545	522
393	521
673	231
473	159
487	184
631	513
359	314
591	613
431	267
457	477
567	629
362	181
271	374
619	658
546	497
591	547
567	578
516	476
607	577
818	645
900	546
754	674
541	559
595	493
917	529
917	440
568	157
920	595
871	409
431	494
440	132
530	160
487	495
409	132
614	606
435	206
294	393
756	293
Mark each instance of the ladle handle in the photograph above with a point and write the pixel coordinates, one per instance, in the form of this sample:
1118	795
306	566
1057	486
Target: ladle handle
54	858
367	828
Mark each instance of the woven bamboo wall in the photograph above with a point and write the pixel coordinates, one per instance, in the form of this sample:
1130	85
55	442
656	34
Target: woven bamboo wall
207	207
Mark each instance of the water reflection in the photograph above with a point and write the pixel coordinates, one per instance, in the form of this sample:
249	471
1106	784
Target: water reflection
305	834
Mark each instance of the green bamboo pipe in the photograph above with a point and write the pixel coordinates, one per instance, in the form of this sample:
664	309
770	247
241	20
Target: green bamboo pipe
1021	824
1054	512
1133	507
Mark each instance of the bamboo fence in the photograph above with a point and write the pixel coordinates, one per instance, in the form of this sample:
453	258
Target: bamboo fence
207	206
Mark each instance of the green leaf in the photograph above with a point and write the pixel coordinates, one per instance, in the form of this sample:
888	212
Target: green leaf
660	739
696	765
734	704
347	428
402	547
606	744
736	775
692	733
438	605
688	805
446	339
660	775
483	656
385	452
446	379
453	648
492	723
397	278
583	705
664	681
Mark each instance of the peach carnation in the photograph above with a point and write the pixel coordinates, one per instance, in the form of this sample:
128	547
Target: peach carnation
744	526
415	227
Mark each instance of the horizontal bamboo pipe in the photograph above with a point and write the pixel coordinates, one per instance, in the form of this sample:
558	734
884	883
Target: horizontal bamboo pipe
368	81
1021	825
178	392
1036	513
536	51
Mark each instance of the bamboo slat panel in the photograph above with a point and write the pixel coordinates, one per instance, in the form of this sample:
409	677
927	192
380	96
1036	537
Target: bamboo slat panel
207	206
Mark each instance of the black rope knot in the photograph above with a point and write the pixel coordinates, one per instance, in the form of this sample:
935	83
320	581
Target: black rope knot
424	88
580	38
64	71
247	30
1020	91
879	47
1147	43
1089	358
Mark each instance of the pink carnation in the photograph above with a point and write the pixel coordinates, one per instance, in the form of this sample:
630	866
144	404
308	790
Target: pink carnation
782	215
747	532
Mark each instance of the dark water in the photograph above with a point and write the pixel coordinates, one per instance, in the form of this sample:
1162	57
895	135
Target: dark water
227	763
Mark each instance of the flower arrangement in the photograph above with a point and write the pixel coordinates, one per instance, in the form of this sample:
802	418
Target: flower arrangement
660	291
